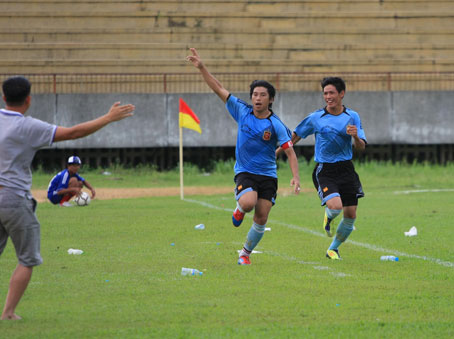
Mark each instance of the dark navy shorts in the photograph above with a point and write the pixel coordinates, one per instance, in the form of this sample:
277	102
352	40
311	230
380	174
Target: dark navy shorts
266	187
338	179
55	199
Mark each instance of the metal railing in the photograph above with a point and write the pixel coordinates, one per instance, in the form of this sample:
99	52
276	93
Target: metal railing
234	82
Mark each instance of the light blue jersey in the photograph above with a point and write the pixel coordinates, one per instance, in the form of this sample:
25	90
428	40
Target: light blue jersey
332	143
257	139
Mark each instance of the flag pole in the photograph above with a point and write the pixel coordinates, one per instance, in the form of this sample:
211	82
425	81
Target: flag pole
181	164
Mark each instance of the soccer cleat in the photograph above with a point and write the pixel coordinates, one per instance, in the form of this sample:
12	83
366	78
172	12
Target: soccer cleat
327	226
237	217
333	254
66	204
243	260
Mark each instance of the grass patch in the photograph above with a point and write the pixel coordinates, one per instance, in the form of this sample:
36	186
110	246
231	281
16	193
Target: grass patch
128	284
372	174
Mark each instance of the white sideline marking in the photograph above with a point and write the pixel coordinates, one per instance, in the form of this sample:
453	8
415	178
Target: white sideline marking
340	274
402	254
315	265
425	191
356	243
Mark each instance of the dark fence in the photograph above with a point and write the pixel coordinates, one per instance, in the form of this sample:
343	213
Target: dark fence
235	82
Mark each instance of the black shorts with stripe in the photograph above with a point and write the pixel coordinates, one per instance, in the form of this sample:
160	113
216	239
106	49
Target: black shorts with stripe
337	179
266	187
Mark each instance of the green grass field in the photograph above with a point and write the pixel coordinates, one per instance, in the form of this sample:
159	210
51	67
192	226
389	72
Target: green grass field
127	284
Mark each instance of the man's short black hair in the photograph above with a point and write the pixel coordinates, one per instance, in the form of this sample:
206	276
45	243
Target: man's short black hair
262	83
16	89
335	81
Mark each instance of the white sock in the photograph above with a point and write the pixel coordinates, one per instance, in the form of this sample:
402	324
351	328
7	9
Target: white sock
244	253
239	207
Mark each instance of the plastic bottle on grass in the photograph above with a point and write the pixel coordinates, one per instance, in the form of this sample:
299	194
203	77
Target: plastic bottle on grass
190	271
75	251
389	258
200	227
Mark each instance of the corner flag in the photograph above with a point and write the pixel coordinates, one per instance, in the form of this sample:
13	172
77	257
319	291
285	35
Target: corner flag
187	118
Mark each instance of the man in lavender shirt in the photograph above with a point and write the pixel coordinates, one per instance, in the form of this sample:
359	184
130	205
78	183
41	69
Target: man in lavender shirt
20	138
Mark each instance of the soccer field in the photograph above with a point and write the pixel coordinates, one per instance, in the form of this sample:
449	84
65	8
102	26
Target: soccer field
127	284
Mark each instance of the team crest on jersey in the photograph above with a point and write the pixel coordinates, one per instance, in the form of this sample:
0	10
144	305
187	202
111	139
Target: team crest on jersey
267	135
325	189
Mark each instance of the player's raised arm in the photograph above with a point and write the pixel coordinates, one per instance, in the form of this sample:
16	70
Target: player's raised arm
117	112
211	81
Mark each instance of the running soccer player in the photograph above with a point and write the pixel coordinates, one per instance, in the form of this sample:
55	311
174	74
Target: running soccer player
259	131
336	129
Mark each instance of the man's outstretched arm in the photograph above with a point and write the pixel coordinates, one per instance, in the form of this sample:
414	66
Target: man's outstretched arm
115	113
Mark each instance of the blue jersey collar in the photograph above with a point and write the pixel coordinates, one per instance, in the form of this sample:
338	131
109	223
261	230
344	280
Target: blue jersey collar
326	112
269	115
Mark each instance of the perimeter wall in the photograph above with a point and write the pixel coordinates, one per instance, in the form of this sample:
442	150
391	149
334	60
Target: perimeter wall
387	117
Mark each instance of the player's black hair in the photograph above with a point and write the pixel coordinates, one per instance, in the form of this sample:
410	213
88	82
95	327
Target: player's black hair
335	81
16	89
262	83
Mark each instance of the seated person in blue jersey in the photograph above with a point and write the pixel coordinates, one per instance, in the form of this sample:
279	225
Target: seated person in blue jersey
260	131
337	129
67	184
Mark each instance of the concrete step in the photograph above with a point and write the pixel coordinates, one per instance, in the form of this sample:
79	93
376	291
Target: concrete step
300	35
255	51
254	6
199	22
366	65
116	36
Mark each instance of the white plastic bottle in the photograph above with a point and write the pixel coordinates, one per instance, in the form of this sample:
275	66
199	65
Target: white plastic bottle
200	227
389	258
75	251
190	271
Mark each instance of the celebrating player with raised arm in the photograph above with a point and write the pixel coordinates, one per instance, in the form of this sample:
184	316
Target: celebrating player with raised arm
259	132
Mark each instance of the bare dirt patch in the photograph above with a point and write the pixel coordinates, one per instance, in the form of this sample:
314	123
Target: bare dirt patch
124	193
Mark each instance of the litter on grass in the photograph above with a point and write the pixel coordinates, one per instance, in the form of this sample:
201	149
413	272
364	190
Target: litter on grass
75	251
199	227
412	232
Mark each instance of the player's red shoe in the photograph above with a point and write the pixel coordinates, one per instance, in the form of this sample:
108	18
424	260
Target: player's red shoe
237	217
244	260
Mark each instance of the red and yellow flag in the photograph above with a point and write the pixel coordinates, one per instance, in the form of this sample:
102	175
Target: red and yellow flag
188	119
